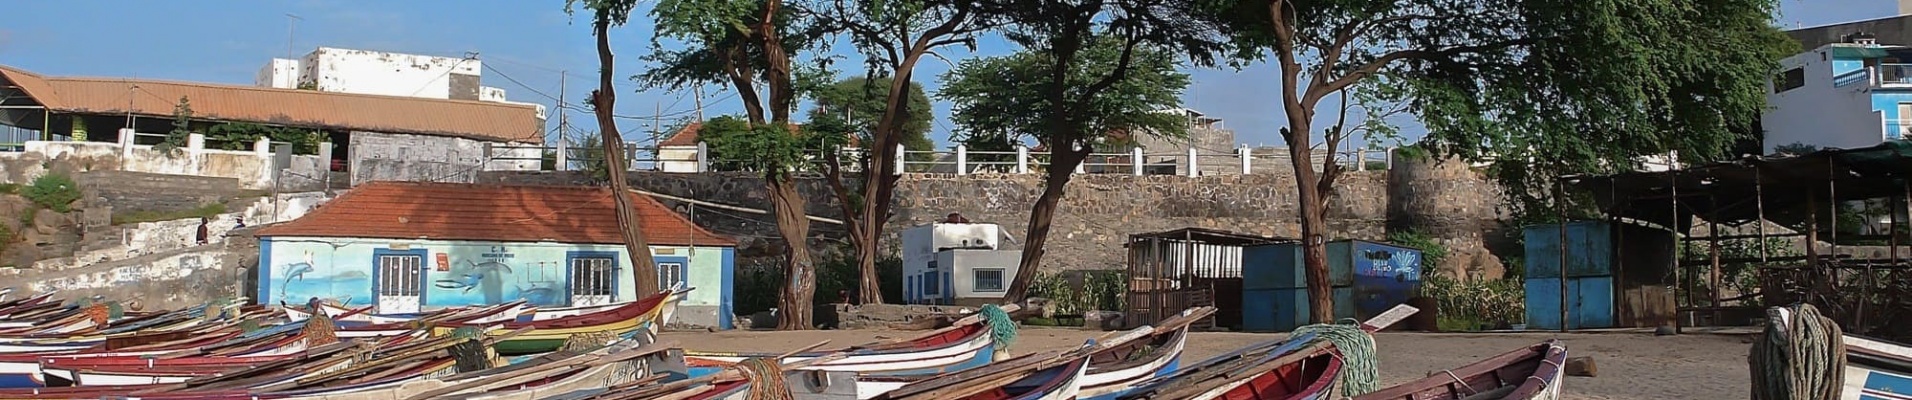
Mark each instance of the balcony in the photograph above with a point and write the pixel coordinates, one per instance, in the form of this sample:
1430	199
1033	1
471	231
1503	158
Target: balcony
1897	76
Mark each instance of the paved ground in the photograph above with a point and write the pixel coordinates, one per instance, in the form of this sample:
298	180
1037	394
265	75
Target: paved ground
1631	365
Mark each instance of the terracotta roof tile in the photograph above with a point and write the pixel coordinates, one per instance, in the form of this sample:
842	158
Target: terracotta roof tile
287	107
452	211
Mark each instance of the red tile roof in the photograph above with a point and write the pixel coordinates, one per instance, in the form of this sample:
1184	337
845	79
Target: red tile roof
480	120
453	211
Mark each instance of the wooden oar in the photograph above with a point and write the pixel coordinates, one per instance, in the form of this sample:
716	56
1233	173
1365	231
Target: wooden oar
430	349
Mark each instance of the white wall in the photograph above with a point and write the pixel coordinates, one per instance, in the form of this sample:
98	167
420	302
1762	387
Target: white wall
280	73
253	169
391	74
677	158
965	263
1820	114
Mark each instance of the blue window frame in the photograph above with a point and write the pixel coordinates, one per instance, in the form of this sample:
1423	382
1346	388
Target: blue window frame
672	271
591	273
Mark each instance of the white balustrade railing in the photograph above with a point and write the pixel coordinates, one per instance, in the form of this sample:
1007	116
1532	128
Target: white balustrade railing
961	160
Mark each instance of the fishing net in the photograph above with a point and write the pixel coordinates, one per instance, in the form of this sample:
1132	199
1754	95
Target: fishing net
582	342
320	330
470	355
1002	330
249	325
766	379
99	313
1801	358
114	310
1359	375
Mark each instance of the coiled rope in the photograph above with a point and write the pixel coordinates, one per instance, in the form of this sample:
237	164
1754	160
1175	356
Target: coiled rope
587	341
766	379
319	330
1801	356
1359	374
1002	329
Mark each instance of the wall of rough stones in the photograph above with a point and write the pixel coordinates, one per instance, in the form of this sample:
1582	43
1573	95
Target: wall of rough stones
1099	211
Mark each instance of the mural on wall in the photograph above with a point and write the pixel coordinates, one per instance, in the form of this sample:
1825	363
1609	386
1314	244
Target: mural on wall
1383	277
488	277
306	277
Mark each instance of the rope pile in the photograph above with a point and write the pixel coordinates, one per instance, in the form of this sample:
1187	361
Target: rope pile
1002	329
582	342
319	330
470	356
766	379
1800	357
1359	374
98	313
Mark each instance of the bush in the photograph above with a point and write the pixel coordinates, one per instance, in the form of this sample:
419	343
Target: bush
1467	306
758	286
205	211
54	191
1100	290
9	188
1432	252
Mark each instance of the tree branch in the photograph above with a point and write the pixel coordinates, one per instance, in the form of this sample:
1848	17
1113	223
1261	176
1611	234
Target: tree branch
1317	90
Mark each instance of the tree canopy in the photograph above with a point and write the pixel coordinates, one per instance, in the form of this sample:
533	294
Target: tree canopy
864	100
999	101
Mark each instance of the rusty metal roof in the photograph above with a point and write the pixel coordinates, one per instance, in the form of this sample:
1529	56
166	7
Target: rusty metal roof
453	211
480	120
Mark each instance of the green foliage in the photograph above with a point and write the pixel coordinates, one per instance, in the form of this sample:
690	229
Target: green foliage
1795	149
998	100
757	286
773	149
134	217
242	136
864	100
1467	306
695	40
182	128
1100	290
1735	277
588	155
9	188
54	191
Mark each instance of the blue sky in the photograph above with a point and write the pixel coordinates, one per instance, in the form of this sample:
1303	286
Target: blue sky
528	41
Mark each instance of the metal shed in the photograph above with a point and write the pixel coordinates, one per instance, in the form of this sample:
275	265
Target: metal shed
1173	270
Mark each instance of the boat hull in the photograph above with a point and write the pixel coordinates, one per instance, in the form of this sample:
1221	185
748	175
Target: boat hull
971	347
1877	370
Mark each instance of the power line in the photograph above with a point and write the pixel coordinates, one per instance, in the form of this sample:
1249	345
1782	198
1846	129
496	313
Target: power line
563	106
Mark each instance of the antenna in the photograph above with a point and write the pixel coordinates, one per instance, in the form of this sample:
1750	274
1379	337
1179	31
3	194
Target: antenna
291	22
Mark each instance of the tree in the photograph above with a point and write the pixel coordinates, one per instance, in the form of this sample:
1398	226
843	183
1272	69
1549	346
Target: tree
893	37
862	102
1553	85
1088	70
606	13
182	128
744	44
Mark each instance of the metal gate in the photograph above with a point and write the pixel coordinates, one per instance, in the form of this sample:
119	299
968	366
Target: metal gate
592	281
400	282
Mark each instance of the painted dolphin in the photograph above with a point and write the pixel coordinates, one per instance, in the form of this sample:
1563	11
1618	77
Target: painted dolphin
489	267
539	294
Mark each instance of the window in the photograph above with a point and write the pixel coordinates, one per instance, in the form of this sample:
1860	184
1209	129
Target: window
593	276
989	279
399	275
931	285
669	274
1791	79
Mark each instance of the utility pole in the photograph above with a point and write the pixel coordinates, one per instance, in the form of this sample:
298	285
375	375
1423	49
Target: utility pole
698	91
563	127
292	22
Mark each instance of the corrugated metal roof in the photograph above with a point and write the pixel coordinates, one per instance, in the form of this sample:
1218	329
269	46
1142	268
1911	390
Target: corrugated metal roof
287	107
451	211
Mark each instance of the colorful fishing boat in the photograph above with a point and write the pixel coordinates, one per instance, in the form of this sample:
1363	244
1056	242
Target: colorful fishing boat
1529	373
966	344
1111	370
1300	367
1877	370
1049	378
644	316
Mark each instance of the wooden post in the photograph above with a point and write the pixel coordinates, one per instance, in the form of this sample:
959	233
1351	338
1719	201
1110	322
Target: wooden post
1560	196
1673	228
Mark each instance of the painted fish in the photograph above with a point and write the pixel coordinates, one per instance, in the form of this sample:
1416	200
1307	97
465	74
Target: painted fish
541	295
466	282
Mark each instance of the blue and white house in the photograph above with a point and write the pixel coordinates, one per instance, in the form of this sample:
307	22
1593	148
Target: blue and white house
1842	95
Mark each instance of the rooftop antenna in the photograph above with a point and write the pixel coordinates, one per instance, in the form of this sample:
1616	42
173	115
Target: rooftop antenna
291	22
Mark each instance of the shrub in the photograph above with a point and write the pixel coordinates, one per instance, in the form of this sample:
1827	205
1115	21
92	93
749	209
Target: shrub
757	286
1432	251
54	191
1100	290
1466	306
9	188
205	211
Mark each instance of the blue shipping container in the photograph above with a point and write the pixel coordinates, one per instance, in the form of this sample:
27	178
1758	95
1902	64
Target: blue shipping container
1282	310
1384	276
1589	300
1280	266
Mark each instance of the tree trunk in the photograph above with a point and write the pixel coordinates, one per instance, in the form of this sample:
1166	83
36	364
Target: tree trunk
793	224
1314	227
644	270
1041	216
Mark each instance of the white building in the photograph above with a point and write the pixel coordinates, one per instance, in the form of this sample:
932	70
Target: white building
1842	95
944	263
330	69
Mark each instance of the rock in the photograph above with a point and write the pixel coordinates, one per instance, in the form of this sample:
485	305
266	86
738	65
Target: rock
1582	366
46	221
763	320
1104	320
1665	330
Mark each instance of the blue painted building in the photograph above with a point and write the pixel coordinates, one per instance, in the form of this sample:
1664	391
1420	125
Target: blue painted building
1842	95
409	247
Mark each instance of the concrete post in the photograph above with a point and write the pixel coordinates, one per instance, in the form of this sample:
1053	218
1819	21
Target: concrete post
902	159
1080	166
1390	156
126	141
1136	161
195	146
1193	169
263	148
563	158
1247	160
703	157
962	160
1022	159
1360	159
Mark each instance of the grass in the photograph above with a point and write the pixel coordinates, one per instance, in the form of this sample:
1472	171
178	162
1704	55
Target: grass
134	217
10	188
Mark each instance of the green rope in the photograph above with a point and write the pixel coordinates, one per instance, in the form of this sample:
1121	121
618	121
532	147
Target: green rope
115	311
249	325
467	333
1359	374
1002	330
1800	359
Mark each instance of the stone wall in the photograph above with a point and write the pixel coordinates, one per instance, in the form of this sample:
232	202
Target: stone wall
1100	211
1454	204
137	191
250	169
377	156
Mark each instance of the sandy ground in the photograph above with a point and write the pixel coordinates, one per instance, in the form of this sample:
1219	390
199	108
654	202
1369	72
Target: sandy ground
1631	365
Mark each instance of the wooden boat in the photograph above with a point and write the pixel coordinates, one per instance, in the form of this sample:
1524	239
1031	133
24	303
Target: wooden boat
963	345
1529	373
1049	378
1111	370
647	315
1877	369
1297	368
